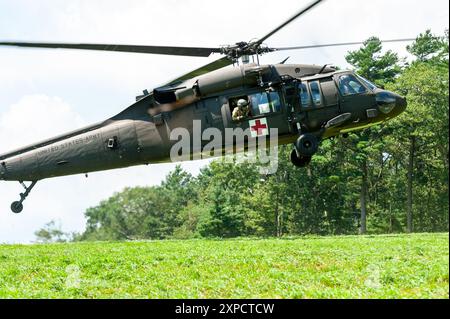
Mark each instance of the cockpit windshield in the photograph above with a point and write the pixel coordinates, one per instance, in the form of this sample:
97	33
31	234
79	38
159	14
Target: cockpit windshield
369	84
349	84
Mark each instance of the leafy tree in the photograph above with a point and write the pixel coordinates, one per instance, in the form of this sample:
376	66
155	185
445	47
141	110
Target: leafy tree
135	213
51	232
429	47
180	187
371	63
191	217
223	186
381	69
422	135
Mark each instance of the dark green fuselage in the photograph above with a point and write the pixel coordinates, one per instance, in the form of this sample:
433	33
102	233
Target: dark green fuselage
141	133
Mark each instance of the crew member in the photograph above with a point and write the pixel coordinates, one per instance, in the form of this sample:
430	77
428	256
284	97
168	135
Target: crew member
241	111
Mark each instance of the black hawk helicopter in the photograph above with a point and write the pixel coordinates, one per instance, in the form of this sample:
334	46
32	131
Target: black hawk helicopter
306	103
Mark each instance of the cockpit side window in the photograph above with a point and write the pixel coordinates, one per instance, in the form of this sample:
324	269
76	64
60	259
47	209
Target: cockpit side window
350	85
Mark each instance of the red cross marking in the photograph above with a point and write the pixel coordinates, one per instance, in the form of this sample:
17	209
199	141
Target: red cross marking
259	127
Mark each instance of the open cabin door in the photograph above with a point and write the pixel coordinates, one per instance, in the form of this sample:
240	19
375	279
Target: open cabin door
266	110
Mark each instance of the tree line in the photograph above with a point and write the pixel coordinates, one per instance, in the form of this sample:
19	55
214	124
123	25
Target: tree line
386	179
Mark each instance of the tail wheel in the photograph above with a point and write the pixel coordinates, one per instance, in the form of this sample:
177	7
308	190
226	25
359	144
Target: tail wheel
16	207
300	161
307	145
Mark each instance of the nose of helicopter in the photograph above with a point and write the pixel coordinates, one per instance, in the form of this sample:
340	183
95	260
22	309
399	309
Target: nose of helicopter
390	104
401	103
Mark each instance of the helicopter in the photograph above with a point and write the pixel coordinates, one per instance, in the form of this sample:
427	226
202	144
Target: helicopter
305	103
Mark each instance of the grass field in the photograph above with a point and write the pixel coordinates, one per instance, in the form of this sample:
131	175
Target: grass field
398	266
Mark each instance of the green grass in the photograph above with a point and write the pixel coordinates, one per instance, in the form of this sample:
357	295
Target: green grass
398	266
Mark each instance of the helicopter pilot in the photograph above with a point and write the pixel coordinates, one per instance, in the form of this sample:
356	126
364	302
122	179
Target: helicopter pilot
241	111
349	86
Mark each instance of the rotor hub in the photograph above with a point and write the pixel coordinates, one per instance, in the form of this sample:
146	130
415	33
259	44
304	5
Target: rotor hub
240	49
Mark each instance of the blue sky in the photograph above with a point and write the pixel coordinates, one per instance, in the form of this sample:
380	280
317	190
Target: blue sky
47	92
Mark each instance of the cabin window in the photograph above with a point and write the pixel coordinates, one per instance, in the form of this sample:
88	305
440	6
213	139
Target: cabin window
264	103
350	85
315	93
257	104
304	95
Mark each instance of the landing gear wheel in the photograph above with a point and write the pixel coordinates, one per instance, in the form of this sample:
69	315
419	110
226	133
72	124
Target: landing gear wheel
16	207
301	161
307	145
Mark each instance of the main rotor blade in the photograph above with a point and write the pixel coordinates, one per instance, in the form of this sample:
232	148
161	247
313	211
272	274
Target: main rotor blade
218	64
339	44
300	13
166	50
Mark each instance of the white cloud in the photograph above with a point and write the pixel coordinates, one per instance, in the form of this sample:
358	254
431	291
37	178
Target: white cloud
34	118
